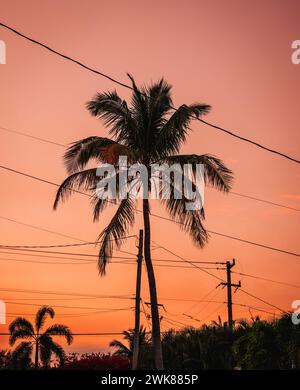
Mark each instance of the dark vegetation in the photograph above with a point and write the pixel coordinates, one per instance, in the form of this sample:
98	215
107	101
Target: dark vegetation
256	344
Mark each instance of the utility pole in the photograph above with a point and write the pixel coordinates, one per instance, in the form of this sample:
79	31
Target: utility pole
229	292
136	337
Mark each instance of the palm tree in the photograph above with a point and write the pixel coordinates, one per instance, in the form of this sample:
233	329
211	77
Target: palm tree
43	342
147	131
126	351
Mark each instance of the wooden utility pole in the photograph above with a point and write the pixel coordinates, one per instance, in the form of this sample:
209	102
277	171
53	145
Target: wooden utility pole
136	337
229	292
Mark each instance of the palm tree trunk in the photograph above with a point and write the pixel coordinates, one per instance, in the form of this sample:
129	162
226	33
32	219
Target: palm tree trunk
36	363
158	358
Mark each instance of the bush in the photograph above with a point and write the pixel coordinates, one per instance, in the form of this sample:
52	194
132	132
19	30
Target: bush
95	361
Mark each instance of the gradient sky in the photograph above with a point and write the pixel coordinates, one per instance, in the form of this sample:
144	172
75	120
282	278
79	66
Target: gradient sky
234	55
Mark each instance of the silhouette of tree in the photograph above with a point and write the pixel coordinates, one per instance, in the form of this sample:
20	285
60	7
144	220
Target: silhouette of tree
147	131
126	351
254	344
42	341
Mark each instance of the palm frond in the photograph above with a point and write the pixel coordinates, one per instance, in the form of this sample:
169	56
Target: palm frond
45	343
159	102
21	354
59	352
99	205
115	114
60	330
112	235
41	316
189	220
20	323
82	151
122	349
20	334
140	114
173	133
215	172
83	180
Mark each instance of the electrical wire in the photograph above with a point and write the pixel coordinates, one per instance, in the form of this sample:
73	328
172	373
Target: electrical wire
262	300
92	261
201	300
222	129
66	293
41	229
266	279
251	197
169	219
59	245
187	261
12	302
207	304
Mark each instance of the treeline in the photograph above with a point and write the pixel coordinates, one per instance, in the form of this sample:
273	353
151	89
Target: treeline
252	345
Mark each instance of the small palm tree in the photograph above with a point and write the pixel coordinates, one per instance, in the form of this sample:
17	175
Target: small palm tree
126	351
128	335
43	342
147	132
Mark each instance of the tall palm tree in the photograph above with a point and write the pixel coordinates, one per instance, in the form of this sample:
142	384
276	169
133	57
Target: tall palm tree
43	342
147	131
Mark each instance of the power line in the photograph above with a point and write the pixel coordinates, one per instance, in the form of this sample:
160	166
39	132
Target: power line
10	314
96	256
70	315
44	292
54	232
263	201
267	280
249	141
57	245
175	321
262	300
205	306
90	334
89	262
231	192
255	243
61	253
41	229
201	300
167	219
233	237
131	88
170	322
45	262
245	292
83	334
252	307
117	309
12	302
236	304
213	312
187	261
39	179
221	279
31	136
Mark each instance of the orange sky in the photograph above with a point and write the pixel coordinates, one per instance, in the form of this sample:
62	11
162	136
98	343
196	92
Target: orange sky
234	55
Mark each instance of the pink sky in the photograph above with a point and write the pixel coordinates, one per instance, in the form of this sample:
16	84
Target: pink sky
234	55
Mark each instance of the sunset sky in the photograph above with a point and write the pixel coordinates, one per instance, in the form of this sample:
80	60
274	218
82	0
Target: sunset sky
234	55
